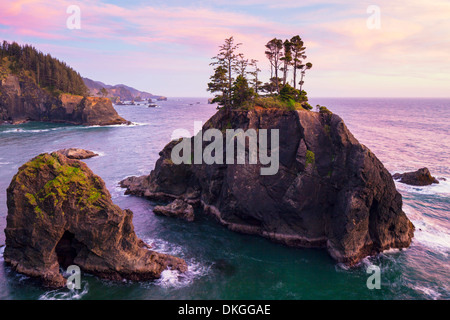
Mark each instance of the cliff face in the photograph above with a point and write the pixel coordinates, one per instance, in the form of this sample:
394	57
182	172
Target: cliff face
330	191
21	99
61	214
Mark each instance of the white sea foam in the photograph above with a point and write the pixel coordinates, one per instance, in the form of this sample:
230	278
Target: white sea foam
123	125
441	188
163	246
433	294
428	234
174	278
26	130
136	124
118	191
100	153
66	294
344	268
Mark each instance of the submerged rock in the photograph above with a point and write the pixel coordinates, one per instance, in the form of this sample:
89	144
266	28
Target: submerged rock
61	214
421	177
330	191
225	267
177	208
76	153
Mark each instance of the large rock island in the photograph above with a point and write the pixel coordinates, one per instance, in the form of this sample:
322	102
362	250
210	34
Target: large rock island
61	214
330	191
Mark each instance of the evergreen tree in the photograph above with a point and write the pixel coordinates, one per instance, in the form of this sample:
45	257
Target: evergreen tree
286	59
254	81
241	92
227	58
303	69
45	70
274	55
298	54
219	84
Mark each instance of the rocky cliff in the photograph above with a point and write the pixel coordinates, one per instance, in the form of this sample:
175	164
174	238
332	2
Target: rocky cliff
61	214
330	191
21	99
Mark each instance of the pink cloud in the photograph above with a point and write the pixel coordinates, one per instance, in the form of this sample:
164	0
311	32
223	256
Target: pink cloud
412	41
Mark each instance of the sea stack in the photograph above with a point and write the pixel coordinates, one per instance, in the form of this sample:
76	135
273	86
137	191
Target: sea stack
61	214
421	177
330	191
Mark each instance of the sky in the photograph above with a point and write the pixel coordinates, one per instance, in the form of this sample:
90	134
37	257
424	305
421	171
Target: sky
377	48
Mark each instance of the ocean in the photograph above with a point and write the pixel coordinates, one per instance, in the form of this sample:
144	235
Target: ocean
405	134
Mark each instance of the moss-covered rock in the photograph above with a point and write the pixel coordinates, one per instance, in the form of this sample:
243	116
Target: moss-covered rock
60	213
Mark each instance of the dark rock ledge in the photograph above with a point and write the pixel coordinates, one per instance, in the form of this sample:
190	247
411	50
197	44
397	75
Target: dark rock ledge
177	208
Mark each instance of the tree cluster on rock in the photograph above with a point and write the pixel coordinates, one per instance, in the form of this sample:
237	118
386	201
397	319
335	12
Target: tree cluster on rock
236	82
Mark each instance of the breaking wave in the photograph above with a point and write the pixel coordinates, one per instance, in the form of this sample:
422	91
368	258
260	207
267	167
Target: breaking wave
174	278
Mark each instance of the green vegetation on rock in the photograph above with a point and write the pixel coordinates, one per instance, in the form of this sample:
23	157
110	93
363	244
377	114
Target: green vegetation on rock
68	180
310	157
323	110
327	129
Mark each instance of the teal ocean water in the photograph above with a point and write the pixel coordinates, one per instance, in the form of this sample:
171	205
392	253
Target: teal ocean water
405	134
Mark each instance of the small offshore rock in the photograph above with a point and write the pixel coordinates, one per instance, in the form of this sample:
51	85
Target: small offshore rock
421	177
76	153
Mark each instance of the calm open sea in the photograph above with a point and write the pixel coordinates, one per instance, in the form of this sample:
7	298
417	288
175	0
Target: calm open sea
405	134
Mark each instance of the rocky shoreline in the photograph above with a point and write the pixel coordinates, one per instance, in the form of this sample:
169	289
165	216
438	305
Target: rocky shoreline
22	100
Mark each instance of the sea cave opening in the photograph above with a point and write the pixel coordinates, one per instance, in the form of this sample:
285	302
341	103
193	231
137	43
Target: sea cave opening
66	249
